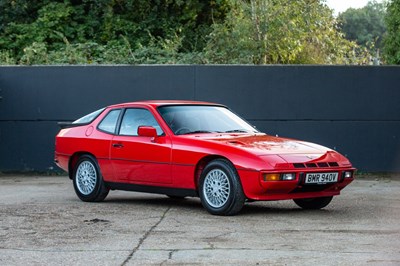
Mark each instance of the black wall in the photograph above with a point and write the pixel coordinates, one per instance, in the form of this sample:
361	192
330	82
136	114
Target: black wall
355	110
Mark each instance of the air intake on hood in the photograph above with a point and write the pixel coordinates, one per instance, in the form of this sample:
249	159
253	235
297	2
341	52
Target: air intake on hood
315	165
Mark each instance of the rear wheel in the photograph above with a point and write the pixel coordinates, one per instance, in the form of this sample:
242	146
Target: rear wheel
87	179
220	189
313	203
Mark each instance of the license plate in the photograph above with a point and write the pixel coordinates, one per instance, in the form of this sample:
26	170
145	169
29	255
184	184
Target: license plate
321	178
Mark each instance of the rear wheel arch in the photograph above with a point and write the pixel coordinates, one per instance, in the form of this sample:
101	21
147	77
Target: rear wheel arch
87	179
74	160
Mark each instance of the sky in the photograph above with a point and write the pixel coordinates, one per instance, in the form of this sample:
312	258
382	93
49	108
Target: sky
342	5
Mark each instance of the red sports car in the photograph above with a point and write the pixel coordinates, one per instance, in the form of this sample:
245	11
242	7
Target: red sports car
199	149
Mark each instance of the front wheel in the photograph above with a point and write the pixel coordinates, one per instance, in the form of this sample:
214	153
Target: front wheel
220	189
87	179
313	203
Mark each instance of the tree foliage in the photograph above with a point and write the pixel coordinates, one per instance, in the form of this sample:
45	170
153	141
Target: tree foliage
279	32
91	30
171	32
392	40
366	25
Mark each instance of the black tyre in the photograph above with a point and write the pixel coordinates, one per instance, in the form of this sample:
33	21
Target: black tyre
220	189
313	203
87	179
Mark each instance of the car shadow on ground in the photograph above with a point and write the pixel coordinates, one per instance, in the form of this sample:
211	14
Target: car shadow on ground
194	204
272	208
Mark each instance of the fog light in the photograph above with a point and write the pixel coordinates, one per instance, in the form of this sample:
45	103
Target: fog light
348	174
290	176
271	177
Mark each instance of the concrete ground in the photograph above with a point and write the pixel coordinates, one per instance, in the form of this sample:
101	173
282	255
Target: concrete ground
42	222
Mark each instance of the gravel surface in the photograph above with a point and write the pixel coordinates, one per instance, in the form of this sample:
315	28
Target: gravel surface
42	222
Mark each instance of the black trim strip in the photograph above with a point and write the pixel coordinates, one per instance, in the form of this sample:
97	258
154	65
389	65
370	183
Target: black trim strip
183	164
144	161
69	155
136	161
65	124
180	192
63	154
247	169
139	161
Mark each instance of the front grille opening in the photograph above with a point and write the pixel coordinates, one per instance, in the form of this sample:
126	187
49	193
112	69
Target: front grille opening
315	165
299	165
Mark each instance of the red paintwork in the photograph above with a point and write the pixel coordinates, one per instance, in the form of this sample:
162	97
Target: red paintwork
176	161
147	131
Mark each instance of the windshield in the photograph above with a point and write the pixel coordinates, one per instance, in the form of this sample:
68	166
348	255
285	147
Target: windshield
188	119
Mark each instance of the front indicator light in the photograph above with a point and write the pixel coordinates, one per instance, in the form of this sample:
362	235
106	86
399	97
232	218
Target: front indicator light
279	177
271	177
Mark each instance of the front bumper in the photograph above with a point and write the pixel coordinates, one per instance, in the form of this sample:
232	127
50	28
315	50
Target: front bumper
256	189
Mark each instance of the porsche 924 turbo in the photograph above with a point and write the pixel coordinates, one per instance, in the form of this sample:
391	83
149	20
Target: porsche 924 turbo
198	149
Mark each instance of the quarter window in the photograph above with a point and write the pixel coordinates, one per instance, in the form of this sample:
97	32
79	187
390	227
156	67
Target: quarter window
109	122
88	118
134	118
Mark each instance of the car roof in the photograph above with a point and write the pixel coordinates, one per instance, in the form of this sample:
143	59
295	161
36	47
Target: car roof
157	103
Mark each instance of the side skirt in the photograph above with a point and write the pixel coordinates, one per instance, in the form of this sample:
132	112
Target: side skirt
179	192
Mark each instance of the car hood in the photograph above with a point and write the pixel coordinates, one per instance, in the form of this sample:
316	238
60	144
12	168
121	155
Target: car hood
261	144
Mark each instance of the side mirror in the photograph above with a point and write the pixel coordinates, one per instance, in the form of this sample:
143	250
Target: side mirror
146	131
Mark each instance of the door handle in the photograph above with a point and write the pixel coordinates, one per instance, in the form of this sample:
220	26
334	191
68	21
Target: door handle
118	145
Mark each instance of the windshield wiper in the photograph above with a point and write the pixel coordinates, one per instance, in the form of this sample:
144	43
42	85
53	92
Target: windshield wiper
236	131
199	131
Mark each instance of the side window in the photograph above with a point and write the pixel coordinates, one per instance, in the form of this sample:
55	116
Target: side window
134	118
88	118
109	122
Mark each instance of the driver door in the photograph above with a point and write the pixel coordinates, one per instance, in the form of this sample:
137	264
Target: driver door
139	159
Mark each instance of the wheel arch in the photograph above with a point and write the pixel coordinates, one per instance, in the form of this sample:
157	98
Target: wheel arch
201	164
73	161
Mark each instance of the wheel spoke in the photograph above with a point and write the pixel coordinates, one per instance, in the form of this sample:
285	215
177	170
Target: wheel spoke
216	188
86	177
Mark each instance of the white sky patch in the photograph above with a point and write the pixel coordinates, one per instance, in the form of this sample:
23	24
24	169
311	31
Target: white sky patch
341	5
